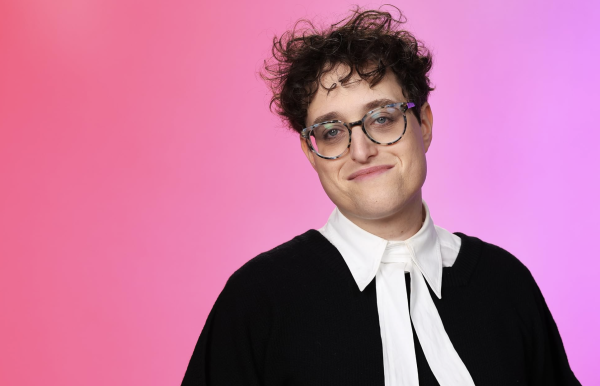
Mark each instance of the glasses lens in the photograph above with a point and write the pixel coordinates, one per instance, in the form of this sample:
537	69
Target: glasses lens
330	139
385	124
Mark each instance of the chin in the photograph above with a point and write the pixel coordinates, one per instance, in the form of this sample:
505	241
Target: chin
378	208
373	203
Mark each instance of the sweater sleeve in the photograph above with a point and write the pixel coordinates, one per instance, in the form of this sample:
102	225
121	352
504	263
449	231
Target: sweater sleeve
551	366
232	344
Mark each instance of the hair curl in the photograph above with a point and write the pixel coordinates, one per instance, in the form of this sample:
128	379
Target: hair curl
367	42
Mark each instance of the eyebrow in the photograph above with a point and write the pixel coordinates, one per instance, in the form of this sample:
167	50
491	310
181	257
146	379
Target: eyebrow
330	116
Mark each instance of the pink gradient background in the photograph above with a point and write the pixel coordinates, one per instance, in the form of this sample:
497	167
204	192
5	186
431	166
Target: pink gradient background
123	213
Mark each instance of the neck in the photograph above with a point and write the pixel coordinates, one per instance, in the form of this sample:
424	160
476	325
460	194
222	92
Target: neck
399	226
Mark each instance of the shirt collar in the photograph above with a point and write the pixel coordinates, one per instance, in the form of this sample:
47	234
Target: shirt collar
363	251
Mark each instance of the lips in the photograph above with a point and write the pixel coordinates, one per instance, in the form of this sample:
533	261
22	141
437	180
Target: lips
371	170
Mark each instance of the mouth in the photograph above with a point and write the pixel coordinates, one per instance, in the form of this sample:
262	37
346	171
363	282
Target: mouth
369	172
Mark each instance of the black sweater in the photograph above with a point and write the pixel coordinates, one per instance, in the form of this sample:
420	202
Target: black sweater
295	316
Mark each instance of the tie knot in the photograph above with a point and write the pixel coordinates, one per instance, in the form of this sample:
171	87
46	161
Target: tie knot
398	253
393	258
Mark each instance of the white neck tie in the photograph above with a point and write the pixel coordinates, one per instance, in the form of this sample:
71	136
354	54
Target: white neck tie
400	364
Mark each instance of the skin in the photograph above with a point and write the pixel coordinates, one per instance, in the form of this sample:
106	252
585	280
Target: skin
389	204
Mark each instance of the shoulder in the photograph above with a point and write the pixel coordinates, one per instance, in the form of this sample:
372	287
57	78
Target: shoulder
495	262
290	258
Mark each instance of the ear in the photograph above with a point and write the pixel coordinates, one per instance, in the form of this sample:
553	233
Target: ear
426	125
307	152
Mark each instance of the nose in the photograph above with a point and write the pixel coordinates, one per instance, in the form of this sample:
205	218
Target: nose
361	147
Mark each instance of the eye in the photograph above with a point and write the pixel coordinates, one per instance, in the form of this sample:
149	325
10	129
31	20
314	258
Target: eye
381	120
331	133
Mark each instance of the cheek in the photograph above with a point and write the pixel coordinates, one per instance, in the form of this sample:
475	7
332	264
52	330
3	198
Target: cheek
332	184
417	168
413	163
328	175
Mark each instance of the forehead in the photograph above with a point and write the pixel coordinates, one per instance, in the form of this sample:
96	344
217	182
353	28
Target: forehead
348	100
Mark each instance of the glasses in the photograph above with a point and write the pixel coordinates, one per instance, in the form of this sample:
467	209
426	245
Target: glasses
384	125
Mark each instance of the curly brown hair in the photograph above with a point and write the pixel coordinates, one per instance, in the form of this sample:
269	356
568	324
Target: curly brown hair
367	42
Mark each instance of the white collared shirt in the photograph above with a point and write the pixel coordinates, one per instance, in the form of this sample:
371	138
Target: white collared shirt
434	247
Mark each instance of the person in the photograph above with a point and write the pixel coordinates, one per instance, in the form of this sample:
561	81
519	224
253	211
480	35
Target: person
379	295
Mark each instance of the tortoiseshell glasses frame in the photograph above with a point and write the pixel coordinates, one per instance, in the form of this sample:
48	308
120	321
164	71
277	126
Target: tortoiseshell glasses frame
307	132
